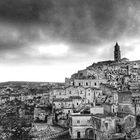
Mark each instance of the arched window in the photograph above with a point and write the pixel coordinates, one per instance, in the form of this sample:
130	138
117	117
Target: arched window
106	125
113	110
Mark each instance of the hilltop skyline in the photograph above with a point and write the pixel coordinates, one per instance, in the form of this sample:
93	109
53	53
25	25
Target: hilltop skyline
48	40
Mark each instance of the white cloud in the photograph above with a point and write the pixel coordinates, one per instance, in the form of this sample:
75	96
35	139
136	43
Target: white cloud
55	50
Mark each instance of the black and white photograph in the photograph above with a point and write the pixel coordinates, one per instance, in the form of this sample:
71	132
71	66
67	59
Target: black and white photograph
69	69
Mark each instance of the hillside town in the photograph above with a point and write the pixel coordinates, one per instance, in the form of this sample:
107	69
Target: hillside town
100	102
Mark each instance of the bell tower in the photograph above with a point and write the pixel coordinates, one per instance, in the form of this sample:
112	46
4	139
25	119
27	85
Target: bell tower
117	52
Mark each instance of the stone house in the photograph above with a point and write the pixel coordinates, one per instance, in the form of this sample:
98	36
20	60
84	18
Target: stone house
125	97
125	102
92	94
108	89
80	126
71	102
110	108
71	91
103	126
58	103
126	108
67	111
67	103
96	110
89	126
76	100
57	93
127	121
81	91
39	114
100	100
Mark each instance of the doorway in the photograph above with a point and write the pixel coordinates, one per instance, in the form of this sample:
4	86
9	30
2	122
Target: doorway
78	135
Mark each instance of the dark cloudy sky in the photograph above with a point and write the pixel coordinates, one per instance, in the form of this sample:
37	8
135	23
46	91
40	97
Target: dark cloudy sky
48	40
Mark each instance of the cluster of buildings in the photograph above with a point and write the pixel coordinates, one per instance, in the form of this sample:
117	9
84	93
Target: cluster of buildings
8	94
100	102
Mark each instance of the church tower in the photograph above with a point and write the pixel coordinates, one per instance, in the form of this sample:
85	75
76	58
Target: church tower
117	52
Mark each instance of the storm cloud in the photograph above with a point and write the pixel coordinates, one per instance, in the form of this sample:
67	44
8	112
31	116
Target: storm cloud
85	26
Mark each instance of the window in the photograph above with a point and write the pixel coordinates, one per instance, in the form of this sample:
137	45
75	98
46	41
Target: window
106	125
78	121
73	83
81	74
95	84
77	103
79	84
86	83
113	110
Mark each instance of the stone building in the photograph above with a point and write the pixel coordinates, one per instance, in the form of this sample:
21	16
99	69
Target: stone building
110	108
76	101
103	126
80	125
89	126
71	91
58	103
92	94
57	93
126	121
125	102
88	82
